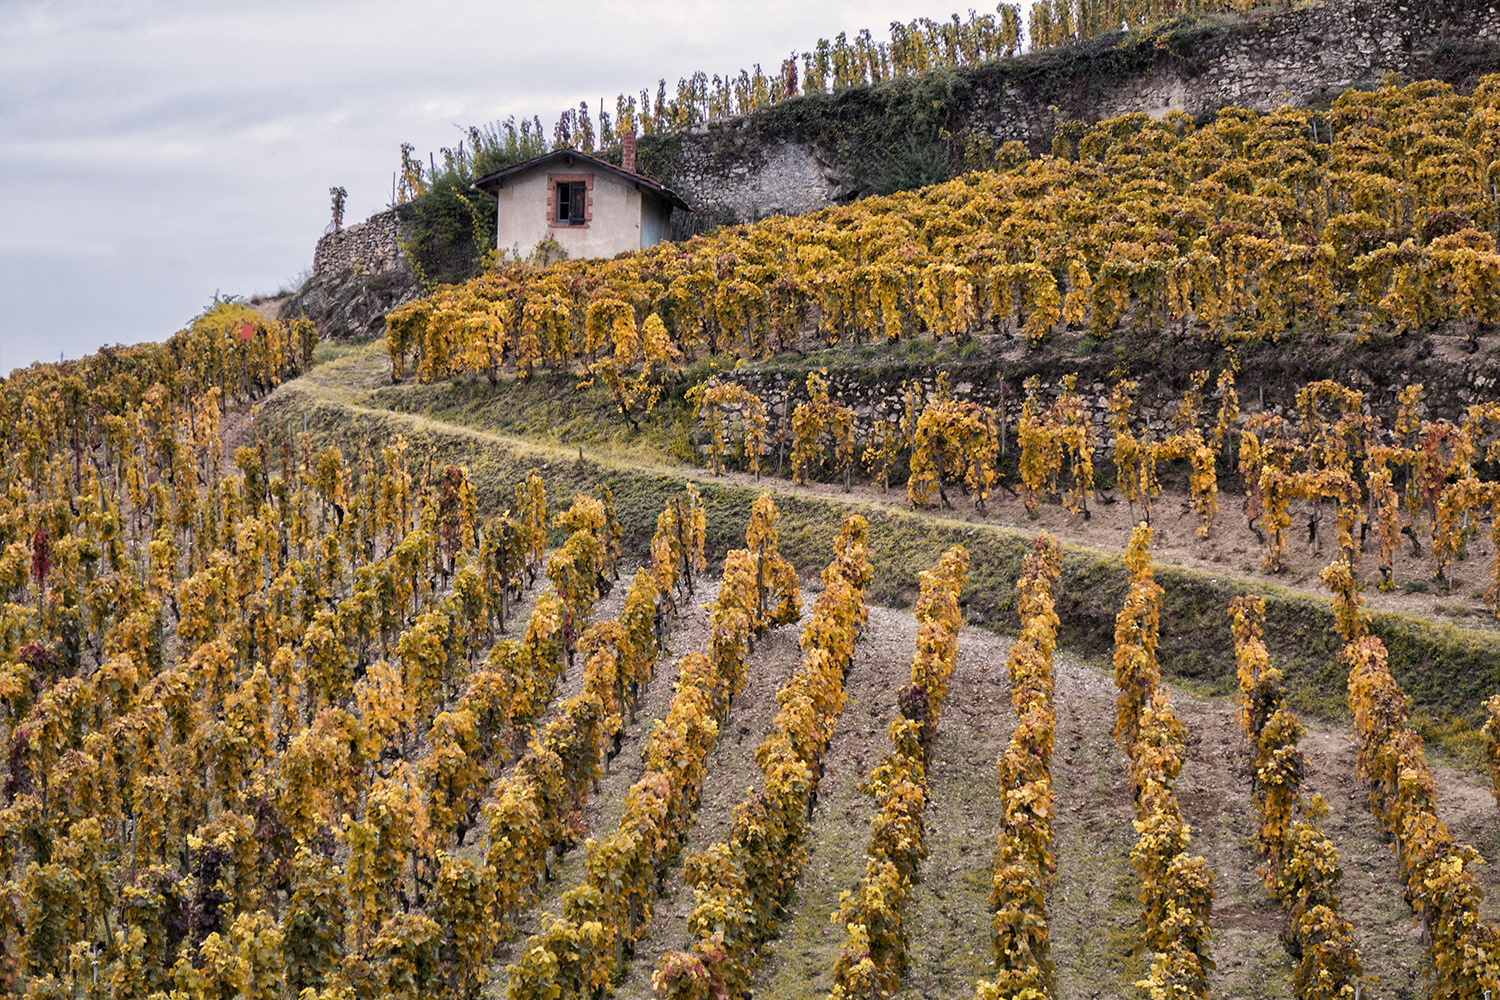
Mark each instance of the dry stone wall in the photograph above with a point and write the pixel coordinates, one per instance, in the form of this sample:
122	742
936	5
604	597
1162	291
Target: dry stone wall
873	395
370	246
1293	56
873	400
1308	55
359	275
740	173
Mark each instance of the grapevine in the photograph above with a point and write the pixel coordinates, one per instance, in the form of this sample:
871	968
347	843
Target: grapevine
1025	862
717	404
1176	890
873	914
739	885
954	442
1440	887
823	433
1302	871
1047	437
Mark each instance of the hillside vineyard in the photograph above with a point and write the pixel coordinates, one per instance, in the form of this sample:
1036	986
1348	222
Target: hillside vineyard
270	732
286	719
916	48
255	705
1417	479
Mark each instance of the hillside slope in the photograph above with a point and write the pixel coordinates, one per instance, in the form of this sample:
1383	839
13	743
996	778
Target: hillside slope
1093	904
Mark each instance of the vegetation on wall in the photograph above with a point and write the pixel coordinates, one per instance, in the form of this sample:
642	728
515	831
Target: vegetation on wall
450	228
910	131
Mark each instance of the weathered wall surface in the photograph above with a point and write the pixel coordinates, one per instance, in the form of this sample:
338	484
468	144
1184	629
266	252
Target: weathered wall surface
795	158
370	246
359	275
730	168
881	399
1310	55
352	305
1271	58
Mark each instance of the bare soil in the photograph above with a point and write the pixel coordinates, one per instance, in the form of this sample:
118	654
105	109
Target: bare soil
605	807
732	773
269	309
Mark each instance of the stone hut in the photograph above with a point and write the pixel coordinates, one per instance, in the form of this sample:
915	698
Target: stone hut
589	207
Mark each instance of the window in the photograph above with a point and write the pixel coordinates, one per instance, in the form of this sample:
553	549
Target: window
569	198
572	199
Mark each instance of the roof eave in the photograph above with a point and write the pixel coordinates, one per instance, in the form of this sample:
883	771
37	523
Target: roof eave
492	182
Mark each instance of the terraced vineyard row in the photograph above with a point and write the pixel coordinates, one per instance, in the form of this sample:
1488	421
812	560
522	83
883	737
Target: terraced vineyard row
1376	217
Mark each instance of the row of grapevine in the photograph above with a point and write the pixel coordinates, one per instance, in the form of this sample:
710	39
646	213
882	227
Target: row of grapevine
1336	445
1244	227
916	47
579	953
537	806
873	957
1491	733
1025	863
1423	475
1441	888
1176	890
1302	869
1057	22
740	885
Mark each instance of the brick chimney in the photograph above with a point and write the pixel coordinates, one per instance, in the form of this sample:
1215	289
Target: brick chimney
627	151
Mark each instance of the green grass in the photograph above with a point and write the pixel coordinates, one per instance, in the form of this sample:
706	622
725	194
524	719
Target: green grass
332	350
1455	737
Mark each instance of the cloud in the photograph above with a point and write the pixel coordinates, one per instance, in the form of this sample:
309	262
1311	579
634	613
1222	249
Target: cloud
158	151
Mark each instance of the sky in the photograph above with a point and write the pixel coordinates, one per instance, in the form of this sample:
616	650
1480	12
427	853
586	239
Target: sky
157	154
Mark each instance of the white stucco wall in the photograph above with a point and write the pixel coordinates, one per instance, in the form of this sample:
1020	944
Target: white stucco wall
618	219
655	215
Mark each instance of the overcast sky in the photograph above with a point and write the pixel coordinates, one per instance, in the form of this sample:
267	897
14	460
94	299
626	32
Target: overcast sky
156	153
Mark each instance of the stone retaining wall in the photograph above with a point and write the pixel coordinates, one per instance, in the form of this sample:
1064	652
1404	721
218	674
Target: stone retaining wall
781	393
370	246
880	397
